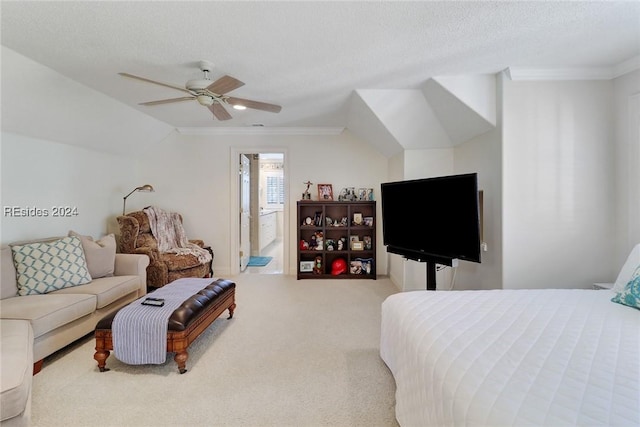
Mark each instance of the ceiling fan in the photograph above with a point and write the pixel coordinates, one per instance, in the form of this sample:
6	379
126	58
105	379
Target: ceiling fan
211	94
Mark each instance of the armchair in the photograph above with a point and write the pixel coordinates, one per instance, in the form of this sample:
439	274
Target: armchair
136	237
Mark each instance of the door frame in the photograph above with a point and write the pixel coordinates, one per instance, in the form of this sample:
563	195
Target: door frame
234	192
245	166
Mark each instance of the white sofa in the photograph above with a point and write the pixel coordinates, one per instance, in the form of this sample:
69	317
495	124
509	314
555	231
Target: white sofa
35	326
16	362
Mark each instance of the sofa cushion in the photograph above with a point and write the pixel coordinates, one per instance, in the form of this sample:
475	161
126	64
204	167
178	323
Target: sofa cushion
45	267
16	366
106	289
48	312
100	254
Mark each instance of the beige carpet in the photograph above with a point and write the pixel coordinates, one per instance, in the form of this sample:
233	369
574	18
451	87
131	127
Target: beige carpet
296	353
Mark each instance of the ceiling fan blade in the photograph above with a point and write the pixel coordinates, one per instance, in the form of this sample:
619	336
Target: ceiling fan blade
167	101
219	112
224	84
256	105
131	76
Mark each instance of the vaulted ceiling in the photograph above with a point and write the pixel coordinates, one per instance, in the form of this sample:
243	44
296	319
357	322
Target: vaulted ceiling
328	64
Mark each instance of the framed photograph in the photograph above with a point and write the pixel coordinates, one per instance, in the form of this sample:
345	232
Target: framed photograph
368	221
367	265
306	266
356	267
357	246
357	218
325	192
354	238
369	196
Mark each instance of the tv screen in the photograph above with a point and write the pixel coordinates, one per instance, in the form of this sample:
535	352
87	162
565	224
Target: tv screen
432	219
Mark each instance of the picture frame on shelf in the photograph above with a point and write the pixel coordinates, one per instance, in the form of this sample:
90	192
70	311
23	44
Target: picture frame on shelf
325	192
347	194
353	238
369	196
306	266
357	245
368	221
355	267
367	243
357	218
362	194
367	265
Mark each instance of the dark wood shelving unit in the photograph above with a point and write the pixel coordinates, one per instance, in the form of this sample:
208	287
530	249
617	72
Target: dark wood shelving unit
323	215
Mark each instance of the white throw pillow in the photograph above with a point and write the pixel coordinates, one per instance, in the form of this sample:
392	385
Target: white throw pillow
100	254
624	277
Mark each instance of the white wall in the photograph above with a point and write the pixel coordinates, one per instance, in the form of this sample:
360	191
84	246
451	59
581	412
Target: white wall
558	198
627	170
395	263
483	155
191	175
42	174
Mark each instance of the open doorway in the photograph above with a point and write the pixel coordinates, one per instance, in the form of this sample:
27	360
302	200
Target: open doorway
261	208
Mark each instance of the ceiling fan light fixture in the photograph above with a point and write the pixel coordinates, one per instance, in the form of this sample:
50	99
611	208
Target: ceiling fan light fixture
205	100
210	94
197	84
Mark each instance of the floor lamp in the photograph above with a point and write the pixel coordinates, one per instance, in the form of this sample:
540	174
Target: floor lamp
145	188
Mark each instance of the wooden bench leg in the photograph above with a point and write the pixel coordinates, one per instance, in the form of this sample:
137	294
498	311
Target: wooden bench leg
232	308
101	357
181	359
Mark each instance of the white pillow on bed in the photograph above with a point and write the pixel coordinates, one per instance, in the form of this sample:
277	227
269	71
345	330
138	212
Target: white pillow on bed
629	267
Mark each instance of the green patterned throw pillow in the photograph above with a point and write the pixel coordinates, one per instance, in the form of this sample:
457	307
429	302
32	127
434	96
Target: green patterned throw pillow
630	295
46	267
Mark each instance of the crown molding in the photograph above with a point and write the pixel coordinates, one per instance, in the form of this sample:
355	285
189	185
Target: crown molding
596	73
528	74
260	130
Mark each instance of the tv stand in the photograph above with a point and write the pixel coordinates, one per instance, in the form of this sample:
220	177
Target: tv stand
431	268
431	276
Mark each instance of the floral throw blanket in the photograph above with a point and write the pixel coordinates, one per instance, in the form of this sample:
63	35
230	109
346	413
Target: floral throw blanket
167	228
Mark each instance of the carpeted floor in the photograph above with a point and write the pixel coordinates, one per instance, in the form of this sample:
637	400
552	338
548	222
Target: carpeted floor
296	353
259	261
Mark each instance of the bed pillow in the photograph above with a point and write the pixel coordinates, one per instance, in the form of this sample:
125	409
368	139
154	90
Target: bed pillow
630	295
48	266
100	254
627	270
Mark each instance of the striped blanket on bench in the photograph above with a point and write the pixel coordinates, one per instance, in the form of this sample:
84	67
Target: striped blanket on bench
139	332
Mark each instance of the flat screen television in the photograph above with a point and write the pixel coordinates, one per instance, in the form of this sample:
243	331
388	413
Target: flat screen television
432	219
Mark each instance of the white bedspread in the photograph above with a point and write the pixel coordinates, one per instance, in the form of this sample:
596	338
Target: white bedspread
512	358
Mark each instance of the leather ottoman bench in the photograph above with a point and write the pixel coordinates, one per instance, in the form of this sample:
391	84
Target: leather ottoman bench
185	324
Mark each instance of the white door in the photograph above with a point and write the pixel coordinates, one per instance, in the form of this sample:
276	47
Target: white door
245	211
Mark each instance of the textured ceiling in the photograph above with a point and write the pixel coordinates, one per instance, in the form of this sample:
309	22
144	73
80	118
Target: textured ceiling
309	56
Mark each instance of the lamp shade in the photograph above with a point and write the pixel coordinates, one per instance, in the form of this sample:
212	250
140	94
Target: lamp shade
147	188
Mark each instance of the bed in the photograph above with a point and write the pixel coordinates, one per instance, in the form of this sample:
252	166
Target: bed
547	357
